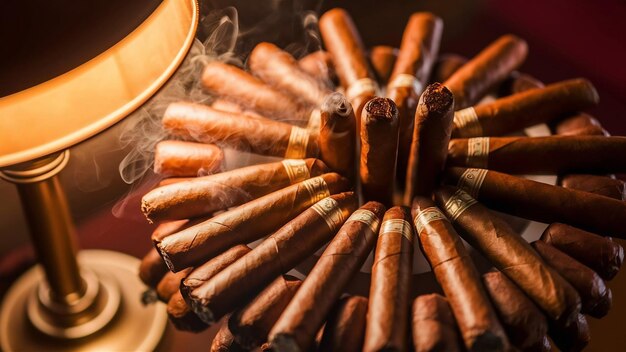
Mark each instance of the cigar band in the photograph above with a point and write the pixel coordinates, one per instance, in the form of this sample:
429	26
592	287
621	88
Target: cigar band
405	80
296	170
471	180
317	188
298	140
361	87
315	121
458	203
478	152
367	217
397	226
330	211
427	216
466	122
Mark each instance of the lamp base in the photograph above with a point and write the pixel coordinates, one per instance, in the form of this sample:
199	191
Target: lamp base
134	328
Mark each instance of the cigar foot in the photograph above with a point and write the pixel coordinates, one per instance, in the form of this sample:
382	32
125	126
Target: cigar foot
284	343
204	313
166	257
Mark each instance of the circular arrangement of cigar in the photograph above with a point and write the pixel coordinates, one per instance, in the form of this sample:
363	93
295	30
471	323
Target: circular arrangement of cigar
386	152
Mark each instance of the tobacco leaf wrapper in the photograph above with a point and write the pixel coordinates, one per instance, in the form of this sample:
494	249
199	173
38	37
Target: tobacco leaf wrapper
601	185
319	65
518	82
179	158
169	284
433	325
224	341
445	66
382	58
345	328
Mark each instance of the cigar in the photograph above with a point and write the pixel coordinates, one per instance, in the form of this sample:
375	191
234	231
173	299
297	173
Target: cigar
525	325
276	255
236	85
429	147
595	296
337	139
518	82
445	66
572	337
382	58
226	106
540	155
542	202
602	185
319	65
169	284
181	315
345	328
579	124
224	341
180	159
172	180
601	254
209	194
433	325
525	109
487	70
239	131
458	278
379	147
280	70
510	253
251	324
389	305
305	314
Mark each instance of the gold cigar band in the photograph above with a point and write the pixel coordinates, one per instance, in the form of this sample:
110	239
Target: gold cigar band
330	211
366	217
315	121
478	152
296	170
361	87
405	80
427	216
317	188
458	203
466	122
397	226
298	140
472	180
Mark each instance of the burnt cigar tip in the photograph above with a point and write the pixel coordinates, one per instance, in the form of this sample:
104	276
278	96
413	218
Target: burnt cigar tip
438	98
337	104
381	108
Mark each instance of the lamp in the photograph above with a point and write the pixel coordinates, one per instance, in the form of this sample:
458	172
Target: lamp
93	302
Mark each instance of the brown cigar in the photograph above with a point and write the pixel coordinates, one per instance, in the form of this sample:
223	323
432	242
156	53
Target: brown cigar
337	139
595	296
251	324
458	277
239	131
206	195
525	109
345	327
389	300
599	253
487	70
181	315
510	253
180	159
445	66
540	155
518	82
319	65
172	180
602	185
169	284
224	341
234	84
226	105
379	148
382	58
579	124
429	147
280	252
245	223
525	325
305	314
572	337
542	202
433	325
280	70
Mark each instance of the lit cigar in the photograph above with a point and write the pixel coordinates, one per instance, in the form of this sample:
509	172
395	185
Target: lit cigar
458	278
234	84
525	325
280	70
280	252
251	324
319	65
518	82
239	131
510	253
379	147
305	314
602	185
182	316
572	337
345	327
540	155
525	109
490	67
206	195
224	341
337	139
429	147
433	325
595	296
178	158
445	66
382	58
601	254
389	299
245	223
169	284
542	202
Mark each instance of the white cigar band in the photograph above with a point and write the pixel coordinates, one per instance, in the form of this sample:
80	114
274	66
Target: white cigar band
405	80
330	211
298	140
458	203
472	180
478	152
397	226
296	170
361	87
466	122
367	217
315	121
427	216
317	188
